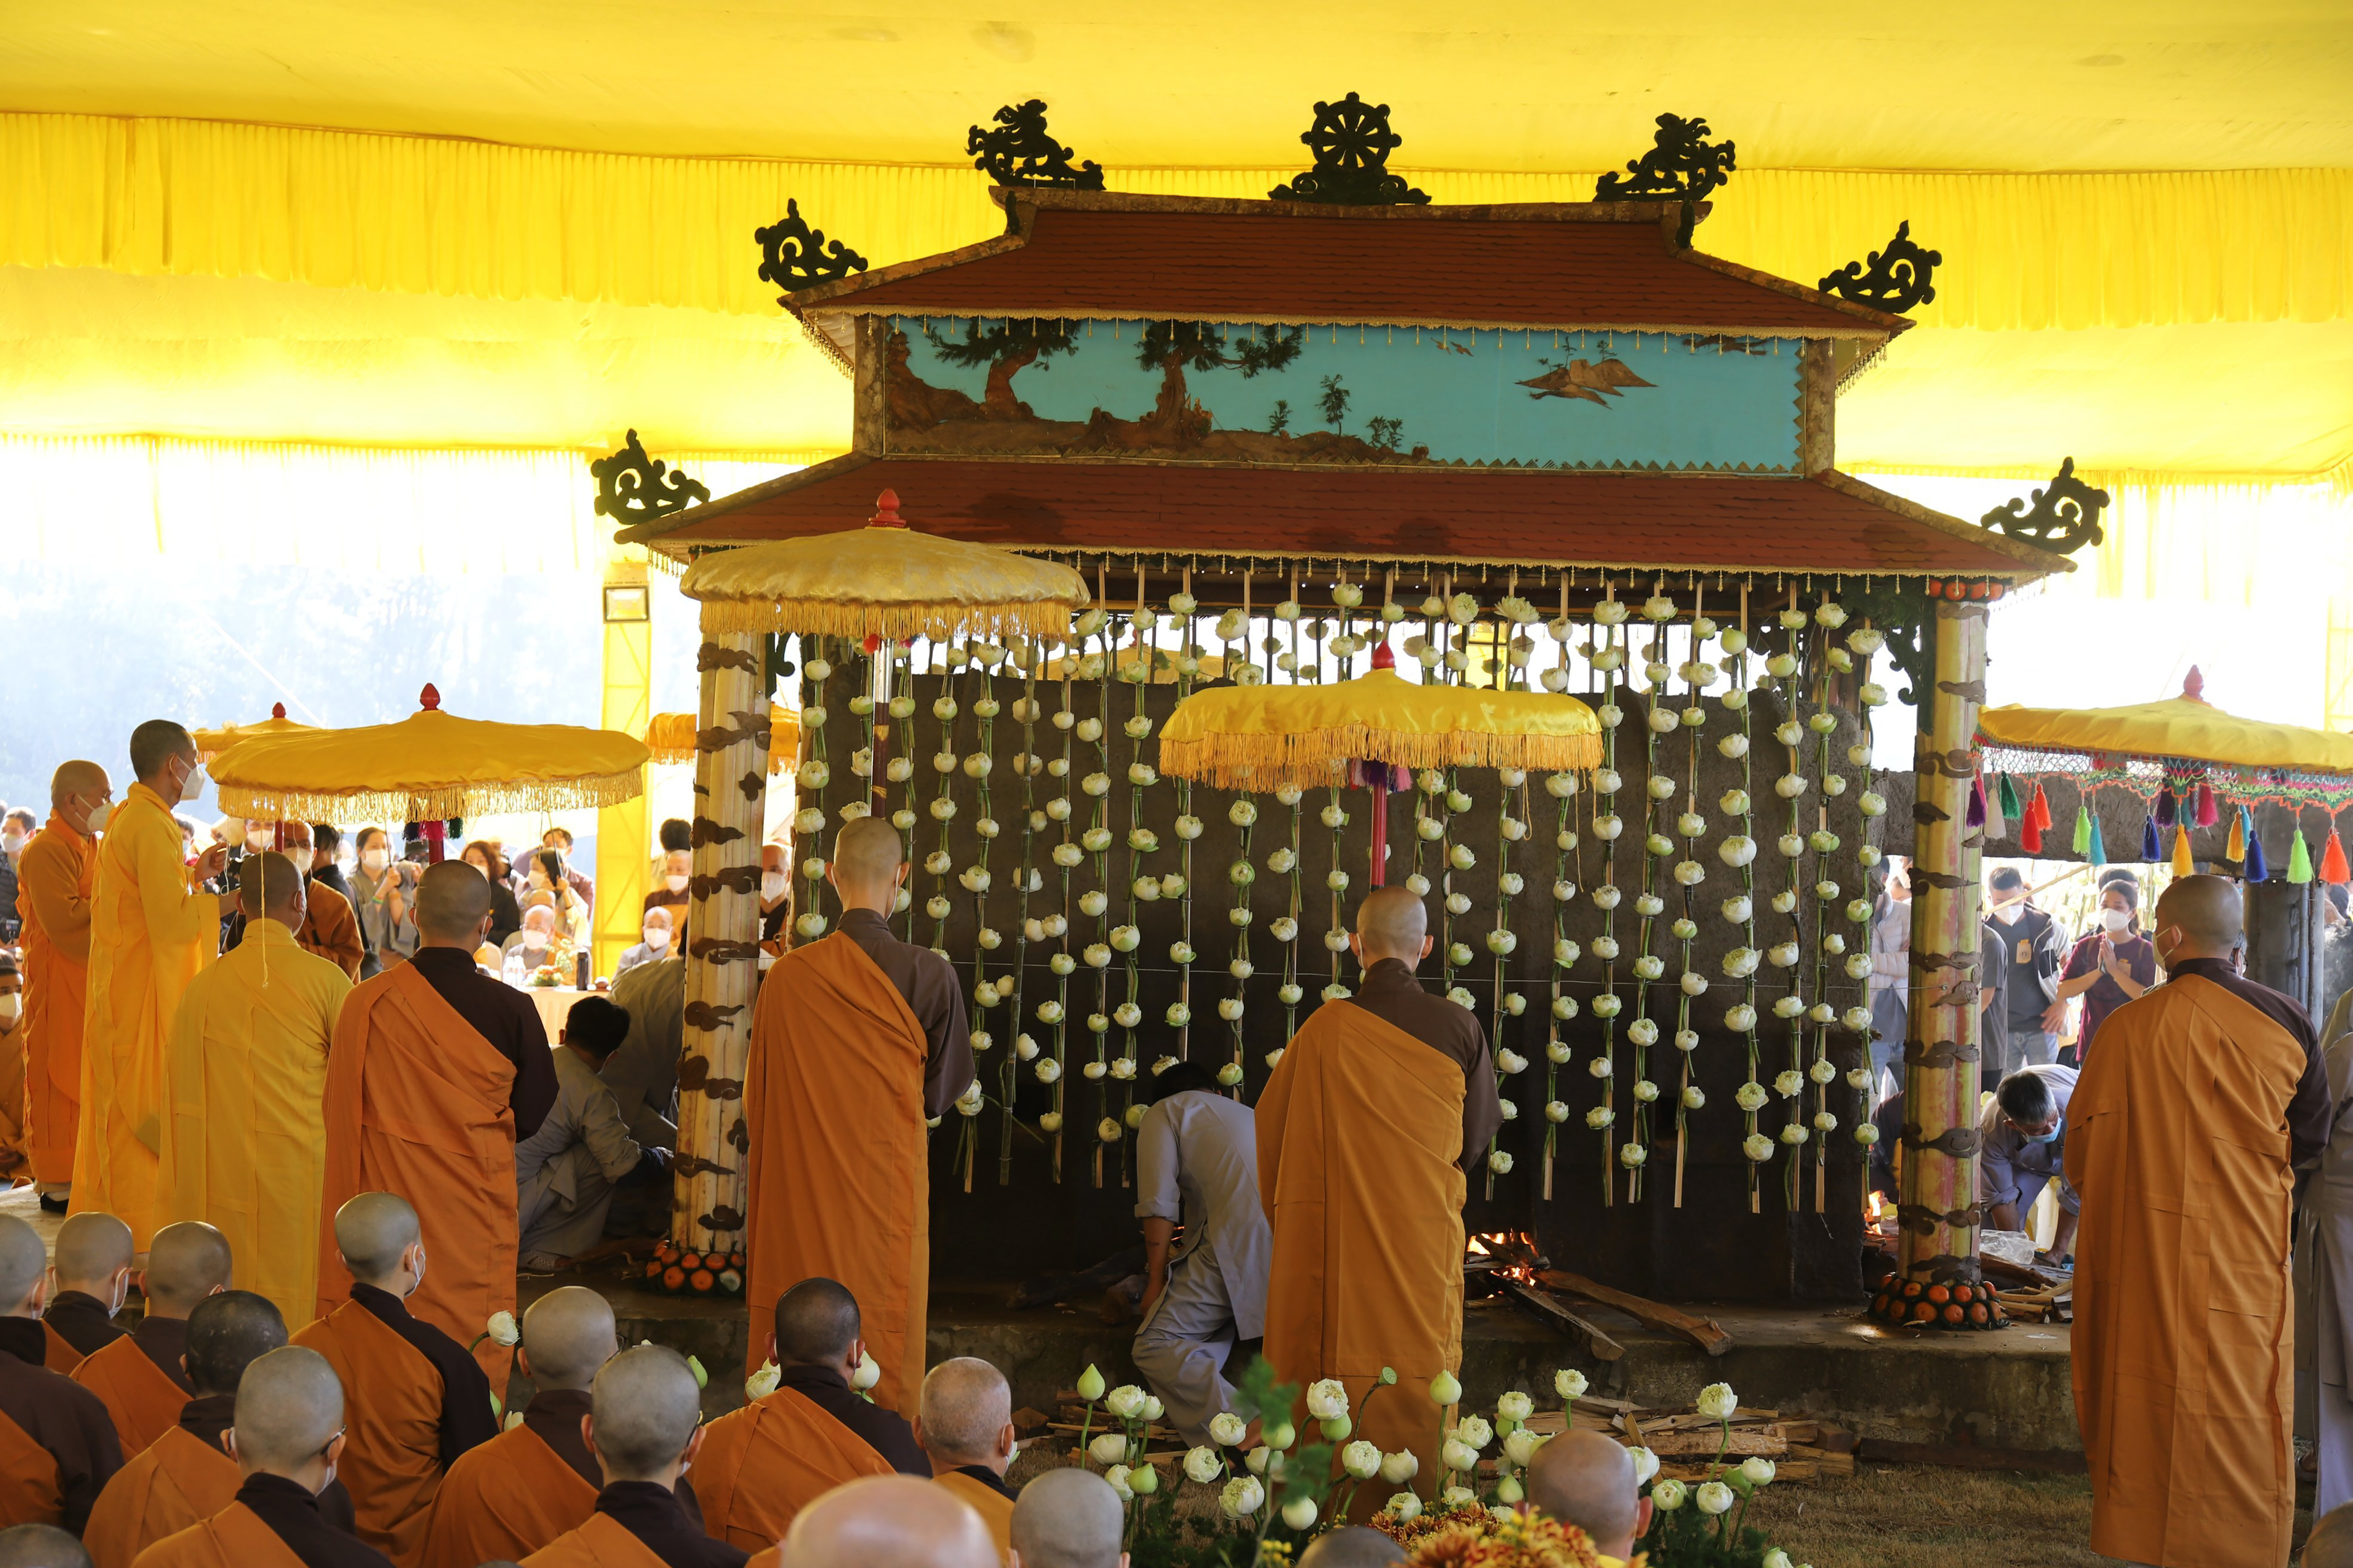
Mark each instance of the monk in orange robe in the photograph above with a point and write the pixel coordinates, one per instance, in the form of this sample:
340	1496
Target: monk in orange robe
139	1375
435	1071
2183	1137
57	878
1360	1135
287	1439
644	1428
87	1283
152	928
418	1398
857	1040
16	1137
965	1427
537	1480
765	1462
57	1446
897	1518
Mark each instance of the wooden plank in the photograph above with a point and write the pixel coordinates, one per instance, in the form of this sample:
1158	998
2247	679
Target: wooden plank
1740	1443
1705	1332
1970	1456
1598	1344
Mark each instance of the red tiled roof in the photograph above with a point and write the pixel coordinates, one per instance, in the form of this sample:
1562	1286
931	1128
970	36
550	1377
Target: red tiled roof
1830	523
1594	265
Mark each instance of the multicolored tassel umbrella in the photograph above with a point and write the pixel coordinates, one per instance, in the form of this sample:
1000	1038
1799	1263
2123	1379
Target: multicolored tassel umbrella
211	744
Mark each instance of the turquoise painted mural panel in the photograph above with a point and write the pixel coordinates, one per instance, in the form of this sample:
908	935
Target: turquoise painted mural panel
1346	395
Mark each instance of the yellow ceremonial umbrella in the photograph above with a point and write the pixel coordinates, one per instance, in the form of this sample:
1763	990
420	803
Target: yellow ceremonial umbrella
1261	737
426	768
671	738
211	744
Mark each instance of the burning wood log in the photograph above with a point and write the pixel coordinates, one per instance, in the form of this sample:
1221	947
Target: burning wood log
1705	1333
1597	1342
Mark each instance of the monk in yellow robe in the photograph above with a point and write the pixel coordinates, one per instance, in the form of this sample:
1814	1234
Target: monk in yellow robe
965	1429
57	880
857	1040
765	1462
153	929
420	1400
1361	1132
57	1447
288	1437
246	1080
2183	1137
504	1500
139	1376
15	1138
88	1281
645	1429
435	1071
897	1518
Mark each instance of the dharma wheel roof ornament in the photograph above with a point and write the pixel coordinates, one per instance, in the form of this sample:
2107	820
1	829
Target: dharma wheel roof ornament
1352	142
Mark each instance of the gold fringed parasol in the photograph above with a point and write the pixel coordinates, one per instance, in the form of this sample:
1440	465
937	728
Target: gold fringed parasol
211	744
671	738
884	581
427	767
2183	729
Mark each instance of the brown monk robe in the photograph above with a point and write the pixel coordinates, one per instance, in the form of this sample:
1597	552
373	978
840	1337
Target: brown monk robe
2182	1139
87	1287
287	1439
765	1462
435	1072
16	1141
857	1040
57	1447
644	1427
1362	1132
965	1427
139	1375
418	1399
187	1475
55	877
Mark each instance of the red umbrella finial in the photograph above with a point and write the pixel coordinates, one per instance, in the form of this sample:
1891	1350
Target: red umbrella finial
430	697
886	512
278	711
2193	686
1383	658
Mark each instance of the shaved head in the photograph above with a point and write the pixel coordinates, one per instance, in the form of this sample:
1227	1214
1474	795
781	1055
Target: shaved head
2330	1544
185	1263
1068	1519
1352	1546
76	778
646	1407
867	849
817	1323
567	1334
1588	1480
1392	923
2206	911
41	1546
24	1263
268	884
90	1248
156	742
967	1405
228	1333
452	898
290	1405
895	1521
373	1230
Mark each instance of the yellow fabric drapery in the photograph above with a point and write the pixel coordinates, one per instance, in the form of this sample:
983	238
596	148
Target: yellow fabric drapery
671	738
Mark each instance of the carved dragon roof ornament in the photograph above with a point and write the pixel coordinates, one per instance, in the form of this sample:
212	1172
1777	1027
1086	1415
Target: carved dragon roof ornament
632	487
1895	280
1681	165
794	257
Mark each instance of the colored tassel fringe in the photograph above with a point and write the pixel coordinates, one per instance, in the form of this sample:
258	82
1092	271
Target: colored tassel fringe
2333	869
2299	860
2030	833
2182	866
2008	795
2148	850
2207	814
2255	869
2081	841
2237	848
2095	850
1976	815
2040	808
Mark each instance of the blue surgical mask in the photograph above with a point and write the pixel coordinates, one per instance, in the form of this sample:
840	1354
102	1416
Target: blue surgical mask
2050	1137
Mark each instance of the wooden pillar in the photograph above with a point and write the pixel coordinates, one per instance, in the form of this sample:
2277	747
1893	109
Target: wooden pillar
731	782
1938	1195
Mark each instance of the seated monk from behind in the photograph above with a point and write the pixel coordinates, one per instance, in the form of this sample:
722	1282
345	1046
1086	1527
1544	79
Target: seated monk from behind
187	1475
87	1287
890	1521
57	1446
41	1546
965	1429
288	1435
1069	1518
1586	1479
139	1375
418	1398
764	1463
645	1427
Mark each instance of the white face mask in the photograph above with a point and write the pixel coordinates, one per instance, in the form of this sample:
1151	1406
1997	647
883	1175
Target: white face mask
773	884
657	937
538	883
375	860
675	882
12	841
11	1006
2008	913
257	838
2116	920
533	937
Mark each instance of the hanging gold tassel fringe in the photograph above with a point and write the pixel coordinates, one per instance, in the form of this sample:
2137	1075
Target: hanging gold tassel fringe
433	804
853	621
1315	757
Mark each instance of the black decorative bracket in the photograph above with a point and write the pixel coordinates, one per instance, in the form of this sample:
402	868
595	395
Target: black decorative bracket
794	257
1352	142
1895	280
1681	165
1019	152
632	487
2065	516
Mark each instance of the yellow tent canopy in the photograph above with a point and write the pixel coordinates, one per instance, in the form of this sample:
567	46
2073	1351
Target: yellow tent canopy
671	738
211	744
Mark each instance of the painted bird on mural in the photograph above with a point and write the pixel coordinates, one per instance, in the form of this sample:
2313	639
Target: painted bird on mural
1593	383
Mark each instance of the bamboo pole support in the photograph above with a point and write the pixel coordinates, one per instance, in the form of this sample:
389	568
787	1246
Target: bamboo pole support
1938	1195
722	947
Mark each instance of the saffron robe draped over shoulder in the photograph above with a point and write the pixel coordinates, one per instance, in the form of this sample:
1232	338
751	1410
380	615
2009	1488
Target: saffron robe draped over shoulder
838	1168
176	1482
391	1413
57	877
503	1500
151	933
1359	1131
417	1103
243	1147
29	1493
2184	1356
761	1464
141	1396
236	1537
599	1541
995	1509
